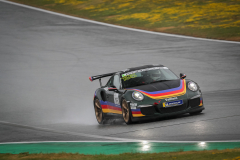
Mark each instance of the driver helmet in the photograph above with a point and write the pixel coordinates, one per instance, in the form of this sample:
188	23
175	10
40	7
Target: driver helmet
155	74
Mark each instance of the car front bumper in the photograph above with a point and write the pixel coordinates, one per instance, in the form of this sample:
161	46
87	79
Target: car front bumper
191	105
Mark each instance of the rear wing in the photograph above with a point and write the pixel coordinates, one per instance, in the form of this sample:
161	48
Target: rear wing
92	78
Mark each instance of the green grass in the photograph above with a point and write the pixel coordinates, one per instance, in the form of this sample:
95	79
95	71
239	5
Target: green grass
217	19
233	154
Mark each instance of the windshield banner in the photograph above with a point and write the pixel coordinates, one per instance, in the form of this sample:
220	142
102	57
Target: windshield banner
142	70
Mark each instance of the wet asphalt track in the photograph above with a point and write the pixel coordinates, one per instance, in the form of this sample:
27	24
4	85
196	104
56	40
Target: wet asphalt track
45	62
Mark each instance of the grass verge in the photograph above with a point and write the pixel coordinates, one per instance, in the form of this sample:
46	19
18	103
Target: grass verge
216	19
227	154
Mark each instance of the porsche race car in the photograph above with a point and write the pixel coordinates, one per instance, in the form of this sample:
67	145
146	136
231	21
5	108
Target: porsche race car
143	92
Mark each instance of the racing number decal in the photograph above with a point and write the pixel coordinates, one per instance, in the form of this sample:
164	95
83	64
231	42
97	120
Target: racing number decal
116	99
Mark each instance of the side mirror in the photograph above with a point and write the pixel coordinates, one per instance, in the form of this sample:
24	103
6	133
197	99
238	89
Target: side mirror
113	88
182	75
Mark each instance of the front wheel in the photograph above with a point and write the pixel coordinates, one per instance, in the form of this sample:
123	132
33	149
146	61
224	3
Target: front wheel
126	112
98	111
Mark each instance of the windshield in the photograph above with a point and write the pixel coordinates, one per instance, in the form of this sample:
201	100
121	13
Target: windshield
147	76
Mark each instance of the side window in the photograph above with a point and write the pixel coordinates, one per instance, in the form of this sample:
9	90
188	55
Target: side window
110	82
116	81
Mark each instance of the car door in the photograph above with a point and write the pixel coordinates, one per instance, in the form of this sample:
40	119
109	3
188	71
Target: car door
113	96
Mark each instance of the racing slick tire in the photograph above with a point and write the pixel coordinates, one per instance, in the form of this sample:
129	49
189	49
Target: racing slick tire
195	113
126	112
98	111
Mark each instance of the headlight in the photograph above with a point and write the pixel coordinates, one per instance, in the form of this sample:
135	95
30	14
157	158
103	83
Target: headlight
137	96
192	86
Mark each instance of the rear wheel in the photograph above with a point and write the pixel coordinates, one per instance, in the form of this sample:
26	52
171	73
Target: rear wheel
98	111
126	112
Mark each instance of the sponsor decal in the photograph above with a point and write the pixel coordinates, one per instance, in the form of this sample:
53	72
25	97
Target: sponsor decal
127	77
116	99
133	105
173	103
170	99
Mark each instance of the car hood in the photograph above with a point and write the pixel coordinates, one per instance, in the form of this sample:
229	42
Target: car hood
162	90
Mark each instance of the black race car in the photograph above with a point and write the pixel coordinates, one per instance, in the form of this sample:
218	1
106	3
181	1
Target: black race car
145	92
